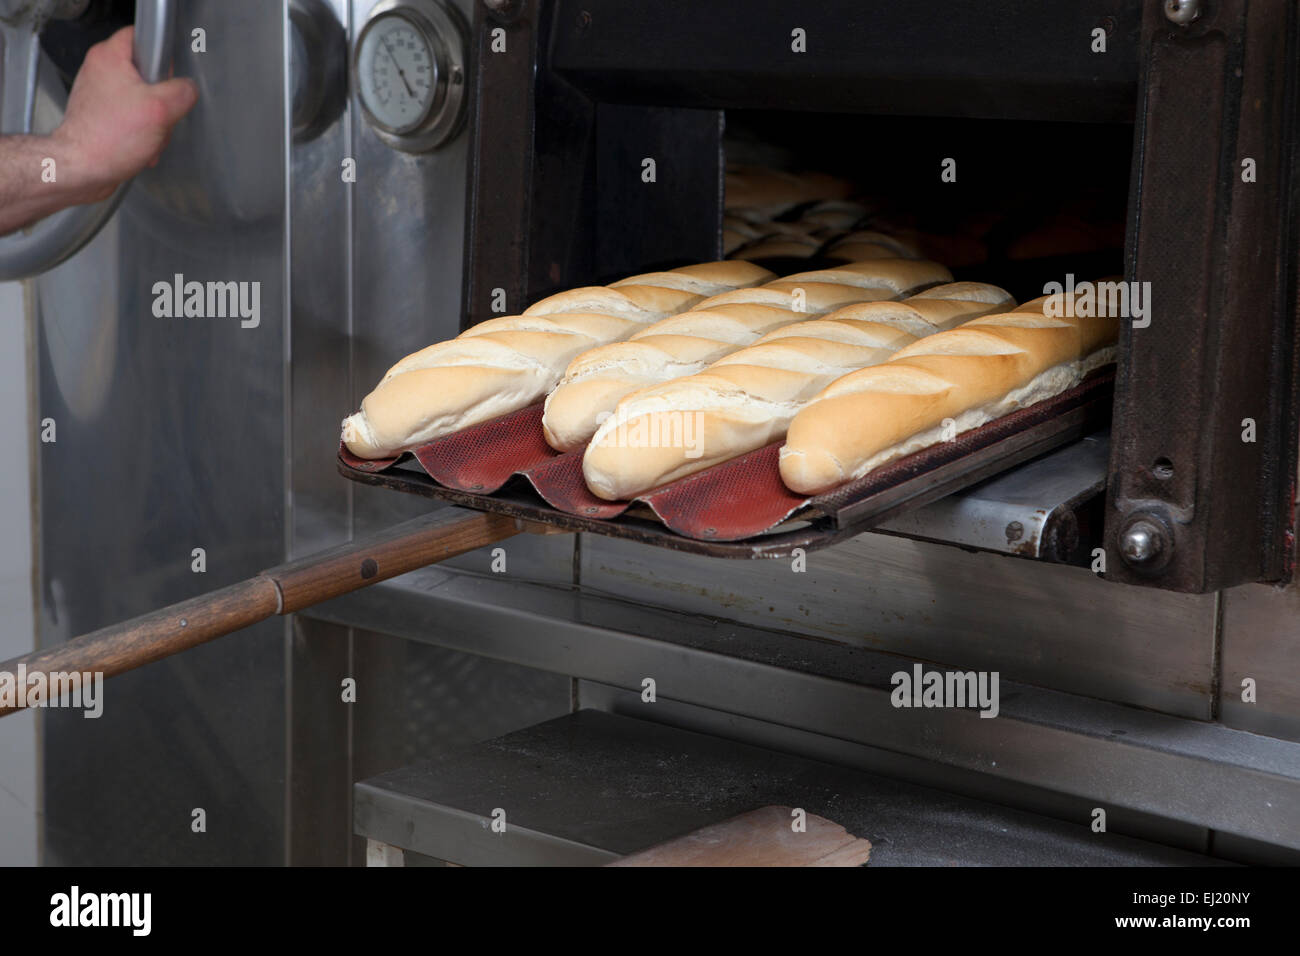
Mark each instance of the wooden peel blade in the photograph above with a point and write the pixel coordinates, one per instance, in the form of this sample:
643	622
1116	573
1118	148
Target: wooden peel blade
762	837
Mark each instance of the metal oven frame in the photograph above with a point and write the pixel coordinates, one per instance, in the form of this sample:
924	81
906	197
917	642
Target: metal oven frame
569	95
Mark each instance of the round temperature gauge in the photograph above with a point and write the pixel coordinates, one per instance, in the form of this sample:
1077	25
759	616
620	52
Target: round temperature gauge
410	72
398	74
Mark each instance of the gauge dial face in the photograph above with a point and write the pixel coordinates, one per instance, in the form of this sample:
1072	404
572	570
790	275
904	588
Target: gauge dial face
395	67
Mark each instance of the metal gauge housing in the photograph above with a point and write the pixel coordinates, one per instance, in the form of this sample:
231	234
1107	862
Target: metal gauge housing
409	70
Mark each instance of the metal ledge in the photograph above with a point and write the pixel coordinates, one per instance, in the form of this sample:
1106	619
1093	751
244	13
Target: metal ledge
1043	509
1199	774
590	787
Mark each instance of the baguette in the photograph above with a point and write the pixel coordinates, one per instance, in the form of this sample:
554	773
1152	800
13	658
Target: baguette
705	278
764	193
834	216
892	276
746	399
787	245
597	380
870	245
964	377
746	236
504	364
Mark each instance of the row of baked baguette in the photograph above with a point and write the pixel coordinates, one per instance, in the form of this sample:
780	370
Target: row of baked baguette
597	380
747	399
860	386
840	427
505	364
940	387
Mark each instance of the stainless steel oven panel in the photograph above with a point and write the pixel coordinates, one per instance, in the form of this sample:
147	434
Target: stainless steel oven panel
375	273
171	437
408	234
1043	624
1261	644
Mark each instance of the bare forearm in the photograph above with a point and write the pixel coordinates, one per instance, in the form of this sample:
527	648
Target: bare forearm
40	175
115	125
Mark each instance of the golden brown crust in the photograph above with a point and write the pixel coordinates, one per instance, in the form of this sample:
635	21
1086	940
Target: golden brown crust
748	398
503	364
969	373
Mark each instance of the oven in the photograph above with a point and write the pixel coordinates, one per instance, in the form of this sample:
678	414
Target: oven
1130	589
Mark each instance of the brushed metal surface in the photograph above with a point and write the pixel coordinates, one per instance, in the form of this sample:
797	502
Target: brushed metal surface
1261	643
375	274
887	762
320	306
155	418
408	239
1190	774
319	767
590	787
1012	513
1043	624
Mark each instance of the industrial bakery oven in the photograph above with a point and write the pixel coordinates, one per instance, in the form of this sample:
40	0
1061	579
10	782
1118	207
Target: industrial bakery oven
1130	589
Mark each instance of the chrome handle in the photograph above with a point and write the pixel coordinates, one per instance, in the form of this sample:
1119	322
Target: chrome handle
54	239
154	22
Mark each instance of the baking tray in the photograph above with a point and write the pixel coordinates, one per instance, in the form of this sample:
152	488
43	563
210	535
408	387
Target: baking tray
708	513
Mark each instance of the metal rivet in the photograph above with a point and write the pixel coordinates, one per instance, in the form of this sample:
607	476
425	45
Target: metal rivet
1182	12
1015	531
369	569
1141	543
184	623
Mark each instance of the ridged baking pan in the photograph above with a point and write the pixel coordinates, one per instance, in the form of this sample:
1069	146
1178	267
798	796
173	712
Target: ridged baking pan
738	509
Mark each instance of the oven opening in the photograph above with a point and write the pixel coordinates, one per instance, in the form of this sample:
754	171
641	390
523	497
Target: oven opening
1015	203
1019	207
1032	207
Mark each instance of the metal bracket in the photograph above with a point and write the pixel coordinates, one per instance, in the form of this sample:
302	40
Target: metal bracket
1203	465
1043	509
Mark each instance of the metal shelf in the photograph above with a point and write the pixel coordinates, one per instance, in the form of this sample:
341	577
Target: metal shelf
591	787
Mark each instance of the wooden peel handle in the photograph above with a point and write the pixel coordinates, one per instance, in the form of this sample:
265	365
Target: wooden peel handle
281	590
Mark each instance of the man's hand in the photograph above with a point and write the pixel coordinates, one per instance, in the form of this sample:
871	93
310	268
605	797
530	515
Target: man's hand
115	125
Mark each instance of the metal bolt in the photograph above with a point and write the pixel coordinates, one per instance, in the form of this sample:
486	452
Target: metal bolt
1141	542
1182	12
